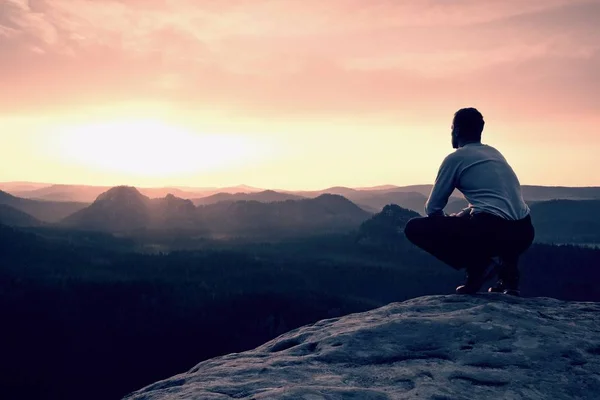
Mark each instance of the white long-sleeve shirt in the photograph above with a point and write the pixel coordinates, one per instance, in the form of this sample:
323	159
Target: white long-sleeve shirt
484	177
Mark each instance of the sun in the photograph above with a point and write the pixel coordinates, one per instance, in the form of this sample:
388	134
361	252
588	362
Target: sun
149	148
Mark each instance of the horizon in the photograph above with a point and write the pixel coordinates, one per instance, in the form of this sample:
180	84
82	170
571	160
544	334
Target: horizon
294	95
40	185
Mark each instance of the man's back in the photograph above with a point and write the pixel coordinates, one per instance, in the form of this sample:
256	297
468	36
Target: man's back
488	182
485	178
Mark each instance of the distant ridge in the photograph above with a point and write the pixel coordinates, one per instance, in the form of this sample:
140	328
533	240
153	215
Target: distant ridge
126	209
531	192
266	196
325	213
543	193
567	221
46	211
13	217
120	208
89	193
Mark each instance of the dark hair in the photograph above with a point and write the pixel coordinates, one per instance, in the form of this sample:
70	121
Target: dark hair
469	122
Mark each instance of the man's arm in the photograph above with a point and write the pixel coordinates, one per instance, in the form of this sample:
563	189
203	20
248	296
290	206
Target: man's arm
444	185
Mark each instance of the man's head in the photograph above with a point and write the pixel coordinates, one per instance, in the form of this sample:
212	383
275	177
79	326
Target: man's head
467	126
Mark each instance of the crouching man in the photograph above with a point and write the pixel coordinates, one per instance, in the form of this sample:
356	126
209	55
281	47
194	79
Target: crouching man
486	238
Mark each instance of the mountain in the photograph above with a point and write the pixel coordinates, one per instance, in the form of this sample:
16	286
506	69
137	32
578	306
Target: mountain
530	193
326	213
12	217
437	347
157	193
555	221
455	205
121	208
266	196
198	192
357	193
172	212
21	186
125	209
567	221
339	190
414	197
88	194
46	211
380	187
385	228
544	193
375	201
79	193
423	189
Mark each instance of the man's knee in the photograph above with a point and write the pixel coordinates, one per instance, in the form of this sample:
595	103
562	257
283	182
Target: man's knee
414	229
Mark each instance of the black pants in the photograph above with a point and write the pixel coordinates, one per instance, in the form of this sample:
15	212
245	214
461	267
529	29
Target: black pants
471	242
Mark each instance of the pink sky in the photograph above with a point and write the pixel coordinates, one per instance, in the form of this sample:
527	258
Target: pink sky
344	80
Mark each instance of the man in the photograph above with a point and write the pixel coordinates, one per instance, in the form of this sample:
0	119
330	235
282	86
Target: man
490	234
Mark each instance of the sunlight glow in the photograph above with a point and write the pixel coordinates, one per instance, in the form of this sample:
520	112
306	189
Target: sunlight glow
154	149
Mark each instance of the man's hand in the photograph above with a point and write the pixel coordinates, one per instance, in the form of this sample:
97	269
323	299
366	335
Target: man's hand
439	213
463	214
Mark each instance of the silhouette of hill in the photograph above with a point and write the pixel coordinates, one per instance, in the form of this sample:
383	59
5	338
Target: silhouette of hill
46	211
125	209
434	347
266	196
12	217
339	190
326	213
172	212
555	221
415	201
375	201
121	208
385	228
88	194
159	193
567	221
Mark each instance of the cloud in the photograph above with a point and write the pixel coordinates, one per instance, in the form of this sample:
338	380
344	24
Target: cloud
294	57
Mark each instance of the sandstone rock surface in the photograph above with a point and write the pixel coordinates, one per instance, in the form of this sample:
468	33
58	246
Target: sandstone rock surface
437	347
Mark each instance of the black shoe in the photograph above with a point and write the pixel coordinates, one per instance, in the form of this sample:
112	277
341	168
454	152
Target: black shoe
498	287
476	278
505	286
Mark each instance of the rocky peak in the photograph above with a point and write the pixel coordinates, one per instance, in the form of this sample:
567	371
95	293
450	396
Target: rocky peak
439	347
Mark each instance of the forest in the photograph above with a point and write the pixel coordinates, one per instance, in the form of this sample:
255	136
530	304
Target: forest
84	310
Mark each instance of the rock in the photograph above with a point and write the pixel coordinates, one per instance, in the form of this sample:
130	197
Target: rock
440	347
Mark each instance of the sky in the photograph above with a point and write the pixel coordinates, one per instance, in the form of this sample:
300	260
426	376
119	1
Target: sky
293	94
